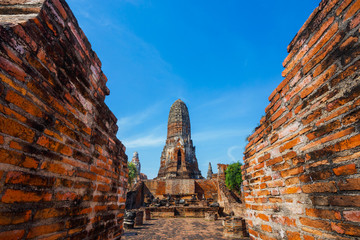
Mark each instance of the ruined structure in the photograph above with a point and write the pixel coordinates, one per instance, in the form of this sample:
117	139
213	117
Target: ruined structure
210	172
180	179
63	172
136	162
301	171
178	158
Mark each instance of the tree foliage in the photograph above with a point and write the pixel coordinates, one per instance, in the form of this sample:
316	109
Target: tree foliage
233	176
132	172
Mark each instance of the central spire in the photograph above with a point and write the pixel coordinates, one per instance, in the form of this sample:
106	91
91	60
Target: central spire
179	121
178	158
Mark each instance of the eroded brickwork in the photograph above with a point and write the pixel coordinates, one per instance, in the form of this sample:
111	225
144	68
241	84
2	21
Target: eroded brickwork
178	158
302	163
63	172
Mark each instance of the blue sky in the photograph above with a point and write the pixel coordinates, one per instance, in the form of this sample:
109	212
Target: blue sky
222	58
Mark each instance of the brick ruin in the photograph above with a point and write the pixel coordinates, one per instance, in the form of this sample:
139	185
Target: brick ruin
178	159
179	177
301	169
63	172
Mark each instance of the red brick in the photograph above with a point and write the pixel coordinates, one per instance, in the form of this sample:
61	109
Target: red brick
28	179
290	190
351	184
68	196
343	5
345	200
347	144
348	229
290	144
23	103
12	235
15	129
264	158
279	167
10	218
322	53
50	213
12	114
319	187
13	196
315	176
306	237
10	157
292	181
266	228
284	220
324	39
320	224
293	235
57	167
321	79
276	183
320	131
353	216
30	162
321	30
44	229
351	118
263	217
345	170
323	213
352	10
274	161
252	232
328	138
54	146
292	172
275	200
87	175
12	69
100	208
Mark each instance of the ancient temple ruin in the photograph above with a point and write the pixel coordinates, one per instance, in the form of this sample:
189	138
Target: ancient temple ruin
178	158
63	172
179	178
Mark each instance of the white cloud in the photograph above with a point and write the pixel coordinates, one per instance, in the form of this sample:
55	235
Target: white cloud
146	141
138	118
230	153
219	134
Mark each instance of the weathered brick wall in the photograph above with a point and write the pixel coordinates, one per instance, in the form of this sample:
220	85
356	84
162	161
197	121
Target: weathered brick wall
63	172
301	170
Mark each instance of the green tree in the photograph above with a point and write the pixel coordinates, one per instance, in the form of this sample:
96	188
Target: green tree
233	176
132	172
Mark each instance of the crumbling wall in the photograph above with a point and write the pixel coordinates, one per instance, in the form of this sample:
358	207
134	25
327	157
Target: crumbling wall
63	172
302	163
206	188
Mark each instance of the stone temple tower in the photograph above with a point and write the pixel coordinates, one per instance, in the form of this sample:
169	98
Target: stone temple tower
178	158
136	162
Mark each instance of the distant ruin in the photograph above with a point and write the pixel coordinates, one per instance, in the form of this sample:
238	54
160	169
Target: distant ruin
180	179
178	159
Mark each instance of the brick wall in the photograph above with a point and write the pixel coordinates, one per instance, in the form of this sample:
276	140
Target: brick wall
63	172
301	171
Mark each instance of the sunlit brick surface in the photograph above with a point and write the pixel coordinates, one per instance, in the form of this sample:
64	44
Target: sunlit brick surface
62	170
302	163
